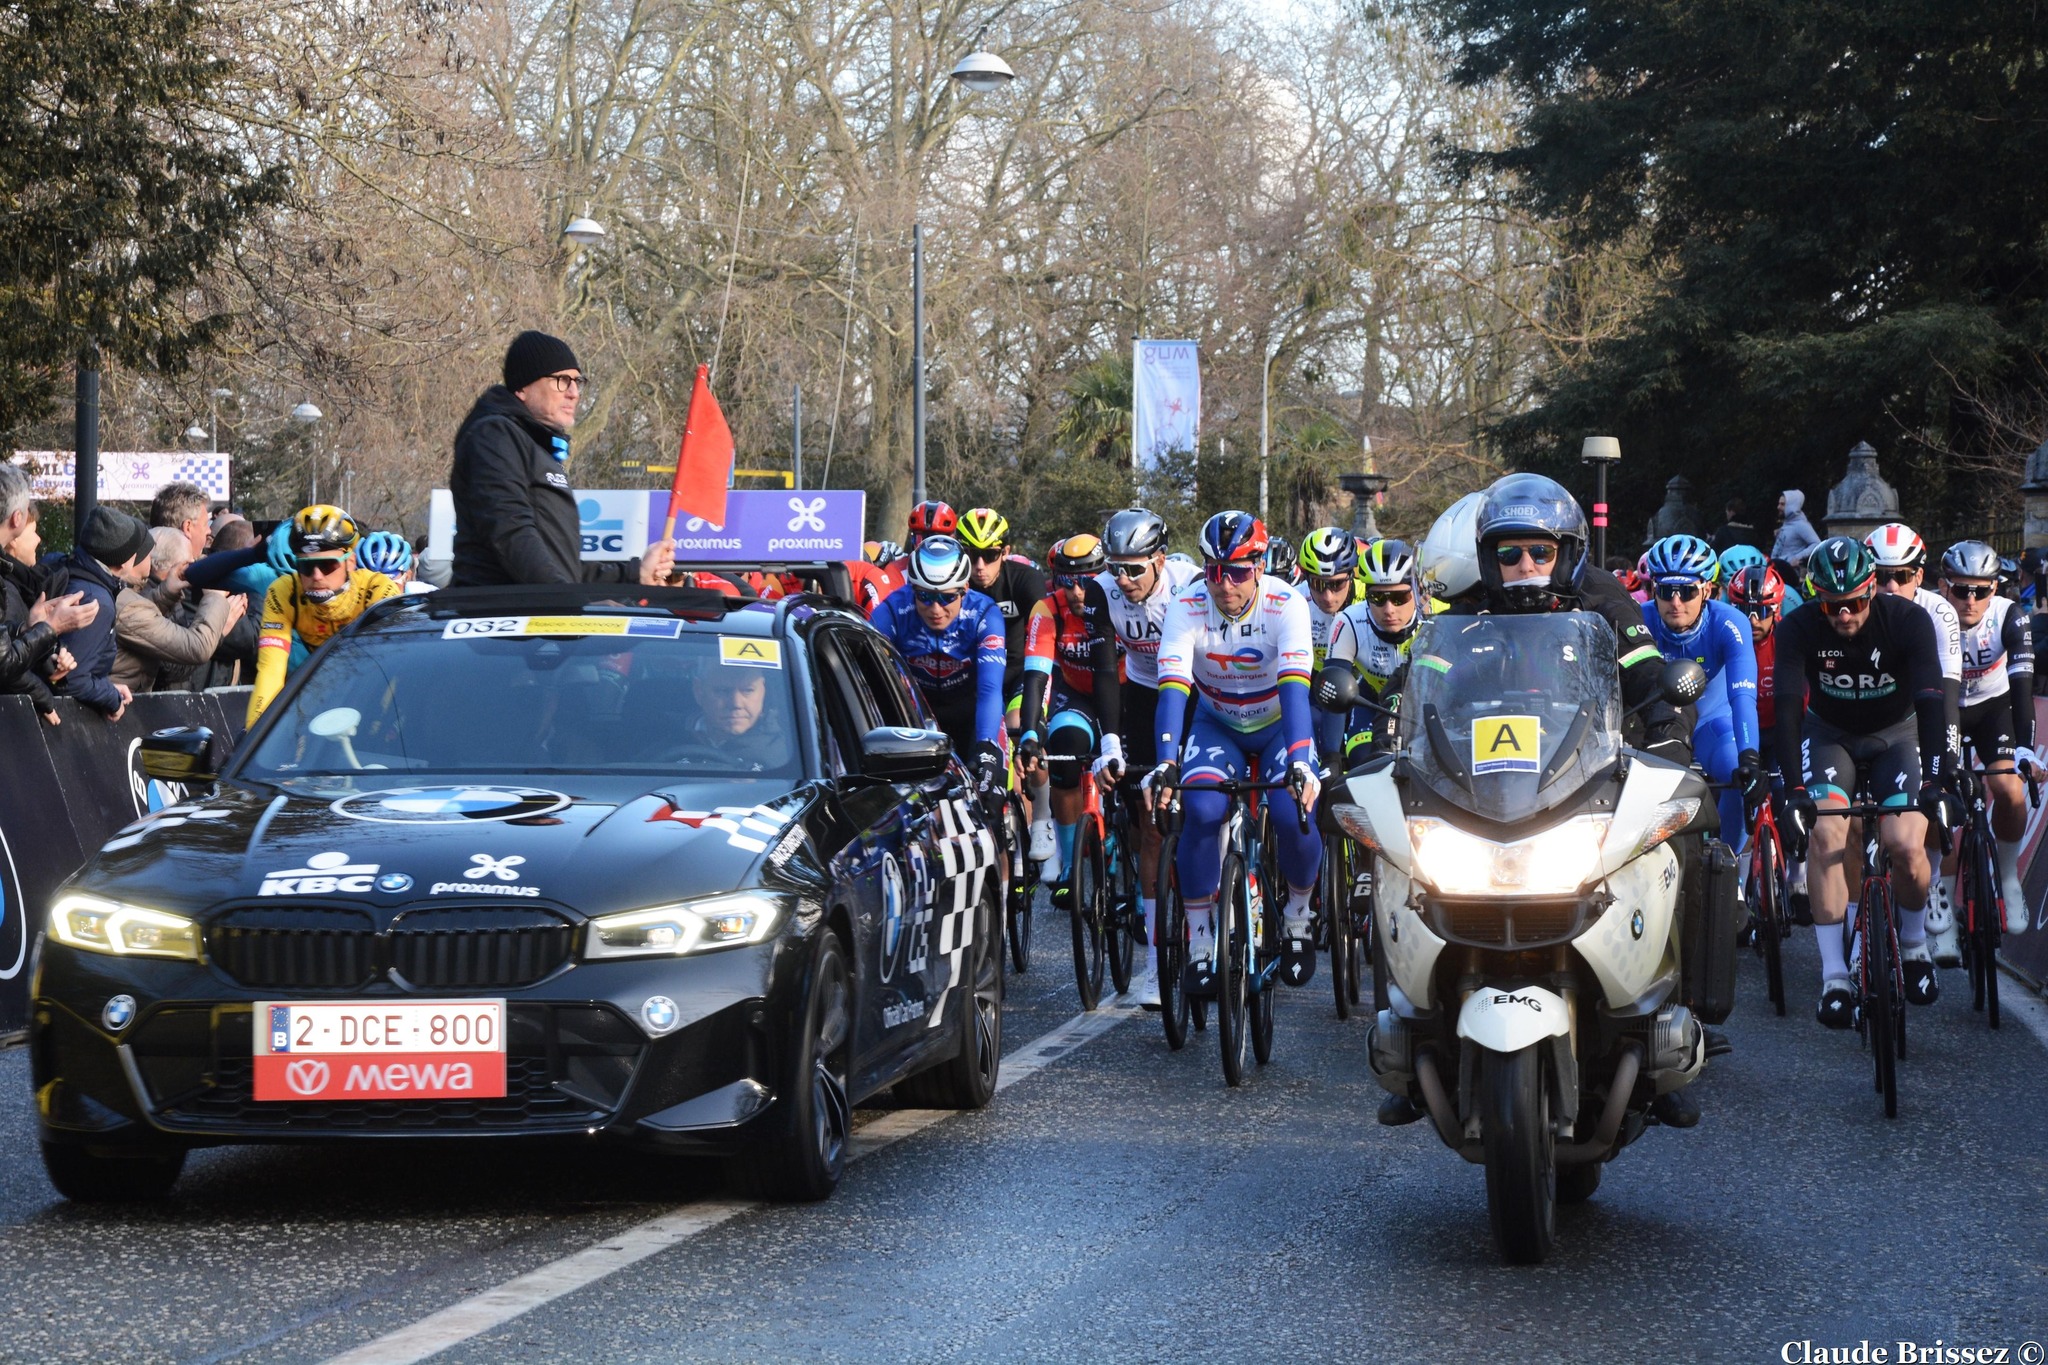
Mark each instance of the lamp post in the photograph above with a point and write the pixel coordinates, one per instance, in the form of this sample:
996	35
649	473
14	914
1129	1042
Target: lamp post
210	433
1600	452
305	415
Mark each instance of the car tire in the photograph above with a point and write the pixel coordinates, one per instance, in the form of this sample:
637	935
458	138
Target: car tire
86	1177
967	1079
803	1154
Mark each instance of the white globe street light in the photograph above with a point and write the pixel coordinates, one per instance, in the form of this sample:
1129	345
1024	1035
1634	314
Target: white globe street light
305	414
197	436
983	72
584	230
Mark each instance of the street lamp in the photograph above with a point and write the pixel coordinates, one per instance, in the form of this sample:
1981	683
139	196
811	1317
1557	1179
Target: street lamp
1600	452
584	230
305	415
982	72
195	435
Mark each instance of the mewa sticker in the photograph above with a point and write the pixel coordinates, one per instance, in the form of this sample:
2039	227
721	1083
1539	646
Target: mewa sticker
745	651
1506	744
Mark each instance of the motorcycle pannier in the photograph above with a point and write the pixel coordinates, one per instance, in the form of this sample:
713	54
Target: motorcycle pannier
1712	931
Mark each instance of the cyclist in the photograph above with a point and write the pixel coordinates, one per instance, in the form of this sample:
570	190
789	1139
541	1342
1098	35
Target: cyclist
952	643
1902	571
1016	586
1373	634
1736	558
1758	593
1328	562
1869	665
1141	583
1072	676
930	518
1237	647
1998	716
1687	624
323	593
1281	564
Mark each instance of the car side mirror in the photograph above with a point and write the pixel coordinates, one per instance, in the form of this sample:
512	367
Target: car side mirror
1683	682
1336	690
904	755
183	754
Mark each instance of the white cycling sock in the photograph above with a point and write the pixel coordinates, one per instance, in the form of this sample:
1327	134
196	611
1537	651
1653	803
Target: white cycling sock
2018	917
1832	962
1296	911
1201	919
1798	880
1041	797
1912	928
1148	906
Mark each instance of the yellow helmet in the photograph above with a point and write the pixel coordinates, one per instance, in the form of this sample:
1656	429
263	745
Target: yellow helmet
323	529
983	528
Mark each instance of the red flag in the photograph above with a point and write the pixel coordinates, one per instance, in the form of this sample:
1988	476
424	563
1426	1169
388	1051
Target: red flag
704	465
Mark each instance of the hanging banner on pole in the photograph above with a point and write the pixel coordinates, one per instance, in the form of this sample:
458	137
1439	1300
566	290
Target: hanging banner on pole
1166	400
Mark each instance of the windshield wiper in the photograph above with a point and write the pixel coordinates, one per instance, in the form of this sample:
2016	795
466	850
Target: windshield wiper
1446	752
1572	736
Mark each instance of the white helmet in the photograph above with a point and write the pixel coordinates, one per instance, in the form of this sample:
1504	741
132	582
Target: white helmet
1449	556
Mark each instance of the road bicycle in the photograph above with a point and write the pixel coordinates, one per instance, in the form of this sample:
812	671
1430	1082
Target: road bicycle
1766	892
1980	900
1100	890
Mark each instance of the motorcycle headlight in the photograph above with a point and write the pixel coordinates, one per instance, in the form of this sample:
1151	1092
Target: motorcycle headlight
1666	820
1556	862
676	930
1355	822
106	926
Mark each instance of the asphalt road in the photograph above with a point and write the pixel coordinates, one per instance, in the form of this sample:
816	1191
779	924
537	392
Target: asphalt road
1118	1203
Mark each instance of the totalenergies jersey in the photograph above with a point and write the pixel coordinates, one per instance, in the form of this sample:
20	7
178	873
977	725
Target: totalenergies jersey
1138	624
1234	666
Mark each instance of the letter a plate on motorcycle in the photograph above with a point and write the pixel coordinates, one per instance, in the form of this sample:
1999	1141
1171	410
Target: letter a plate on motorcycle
1506	744
379	1049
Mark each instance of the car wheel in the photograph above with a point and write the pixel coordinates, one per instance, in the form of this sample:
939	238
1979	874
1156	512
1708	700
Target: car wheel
85	1177
967	1079
805	1154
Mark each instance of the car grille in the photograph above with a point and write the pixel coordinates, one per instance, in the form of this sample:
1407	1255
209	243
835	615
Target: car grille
566	1067
1505	924
442	947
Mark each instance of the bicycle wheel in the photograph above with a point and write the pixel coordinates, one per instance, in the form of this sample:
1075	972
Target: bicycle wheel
1125	921
1233	937
1264	984
1023	887
1770	915
1173	953
1333	894
1084	897
1987	926
1880	1005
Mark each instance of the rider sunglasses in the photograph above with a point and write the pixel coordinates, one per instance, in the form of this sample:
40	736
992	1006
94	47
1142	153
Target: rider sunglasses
988	556
319	568
927	598
1393	597
1069	580
1336	583
1239	574
1678	592
1846	606
1122	570
1972	592
1508	556
1896	575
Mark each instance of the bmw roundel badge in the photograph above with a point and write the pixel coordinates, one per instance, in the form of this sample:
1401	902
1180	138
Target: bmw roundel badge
119	1012
394	882
660	1013
1635	925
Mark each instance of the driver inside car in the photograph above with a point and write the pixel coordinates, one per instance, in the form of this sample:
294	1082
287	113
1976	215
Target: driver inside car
735	719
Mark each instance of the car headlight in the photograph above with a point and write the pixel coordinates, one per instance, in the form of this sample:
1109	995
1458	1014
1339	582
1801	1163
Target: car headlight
105	926
690	927
1556	862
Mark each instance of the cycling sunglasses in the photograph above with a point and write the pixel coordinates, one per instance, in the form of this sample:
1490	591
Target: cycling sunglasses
1846	606
1509	555
988	556
1336	583
1238	574
1393	597
1070	580
1122	570
318	568
1896	575
1678	592
1972	592
927	598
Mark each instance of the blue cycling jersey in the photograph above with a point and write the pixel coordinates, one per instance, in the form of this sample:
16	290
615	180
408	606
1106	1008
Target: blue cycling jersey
1721	643
960	669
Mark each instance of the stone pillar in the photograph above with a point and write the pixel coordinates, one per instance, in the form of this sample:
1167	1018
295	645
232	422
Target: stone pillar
1862	501
1365	490
2035	490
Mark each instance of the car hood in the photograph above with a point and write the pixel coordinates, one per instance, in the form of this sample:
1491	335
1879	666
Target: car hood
594	845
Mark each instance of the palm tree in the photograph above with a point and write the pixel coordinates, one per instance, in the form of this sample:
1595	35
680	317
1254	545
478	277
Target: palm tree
1098	415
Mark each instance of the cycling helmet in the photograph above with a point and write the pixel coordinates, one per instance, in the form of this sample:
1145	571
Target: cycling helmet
983	528
1896	547
2008	570
1970	559
938	564
1386	564
323	530
1449	556
1840	566
1532	505
1757	590
1328	551
384	552
1280	560
1133	532
1682	559
932	518
1736	558
1081	554
1234	538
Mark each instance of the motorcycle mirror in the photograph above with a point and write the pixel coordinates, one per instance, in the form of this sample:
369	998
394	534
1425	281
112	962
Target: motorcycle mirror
1683	682
1336	690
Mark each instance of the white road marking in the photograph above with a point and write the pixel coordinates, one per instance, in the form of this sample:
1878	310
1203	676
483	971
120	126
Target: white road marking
2017	999
480	1313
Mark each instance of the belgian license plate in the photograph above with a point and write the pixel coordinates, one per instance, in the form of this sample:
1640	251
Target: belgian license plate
379	1049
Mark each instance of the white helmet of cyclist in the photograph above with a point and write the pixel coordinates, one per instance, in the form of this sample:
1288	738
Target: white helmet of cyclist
938	564
1896	547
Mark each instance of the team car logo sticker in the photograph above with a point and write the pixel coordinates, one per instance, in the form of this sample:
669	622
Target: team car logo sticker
170	817
745	651
479	627
1506	744
323	875
486	875
449	805
747	828
659	1013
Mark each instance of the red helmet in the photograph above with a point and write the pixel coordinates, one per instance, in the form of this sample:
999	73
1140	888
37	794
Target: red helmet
1757	590
933	519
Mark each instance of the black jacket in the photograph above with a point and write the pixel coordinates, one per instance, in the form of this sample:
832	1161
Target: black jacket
515	514
24	649
92	646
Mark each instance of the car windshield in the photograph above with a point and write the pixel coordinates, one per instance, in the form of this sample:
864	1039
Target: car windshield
1512	714
586	694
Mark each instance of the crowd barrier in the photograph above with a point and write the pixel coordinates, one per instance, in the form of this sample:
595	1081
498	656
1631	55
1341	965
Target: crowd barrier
64	790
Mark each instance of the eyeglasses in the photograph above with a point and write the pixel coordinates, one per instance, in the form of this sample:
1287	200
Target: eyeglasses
1897	575
1507	556
1122	570
1846	606
994	556
569	383
319	568
927	598
1395	597
1972	592
1338	583
1678	592
1236	574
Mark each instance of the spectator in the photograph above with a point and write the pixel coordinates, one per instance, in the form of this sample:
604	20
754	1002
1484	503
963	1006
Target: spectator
156	651
1796	535
184	508
30	652
515	514
112	553
1737	530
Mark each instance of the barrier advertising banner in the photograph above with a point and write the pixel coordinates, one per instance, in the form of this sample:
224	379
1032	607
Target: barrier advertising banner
775	524
1166	399
126	475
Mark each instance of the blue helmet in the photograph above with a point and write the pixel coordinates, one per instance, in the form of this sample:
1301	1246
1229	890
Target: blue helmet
1234	538
1533	506
1736	558
1682	559
384	552
938	564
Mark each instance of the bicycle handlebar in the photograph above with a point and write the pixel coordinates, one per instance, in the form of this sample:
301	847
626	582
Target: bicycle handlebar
1234	787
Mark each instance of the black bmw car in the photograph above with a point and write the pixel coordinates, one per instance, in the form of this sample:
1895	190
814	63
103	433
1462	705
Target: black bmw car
681	870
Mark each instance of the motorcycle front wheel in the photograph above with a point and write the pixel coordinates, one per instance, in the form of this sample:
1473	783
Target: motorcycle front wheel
1521	1160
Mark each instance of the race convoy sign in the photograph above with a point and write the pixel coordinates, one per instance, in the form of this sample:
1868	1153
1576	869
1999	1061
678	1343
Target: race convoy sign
379	1050
762	526
1506	744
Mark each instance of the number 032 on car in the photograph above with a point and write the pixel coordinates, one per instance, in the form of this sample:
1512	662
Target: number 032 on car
379	1049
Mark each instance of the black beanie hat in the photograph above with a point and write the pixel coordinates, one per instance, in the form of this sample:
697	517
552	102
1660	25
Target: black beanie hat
534	354
112	537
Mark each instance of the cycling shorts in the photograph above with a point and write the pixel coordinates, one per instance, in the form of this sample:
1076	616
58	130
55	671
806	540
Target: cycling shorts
1070	736
1988	727
1137	713
1829	769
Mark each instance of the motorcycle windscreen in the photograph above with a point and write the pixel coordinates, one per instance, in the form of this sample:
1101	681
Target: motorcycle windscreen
1510	715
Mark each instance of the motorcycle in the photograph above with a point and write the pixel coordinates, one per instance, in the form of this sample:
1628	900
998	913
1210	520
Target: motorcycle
1526	894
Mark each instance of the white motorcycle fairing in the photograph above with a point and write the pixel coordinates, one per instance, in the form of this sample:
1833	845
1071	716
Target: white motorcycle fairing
1508	1019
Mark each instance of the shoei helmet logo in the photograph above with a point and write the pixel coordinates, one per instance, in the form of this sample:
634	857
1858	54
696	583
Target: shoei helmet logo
307	1076
449	805
119	1012
659	1013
